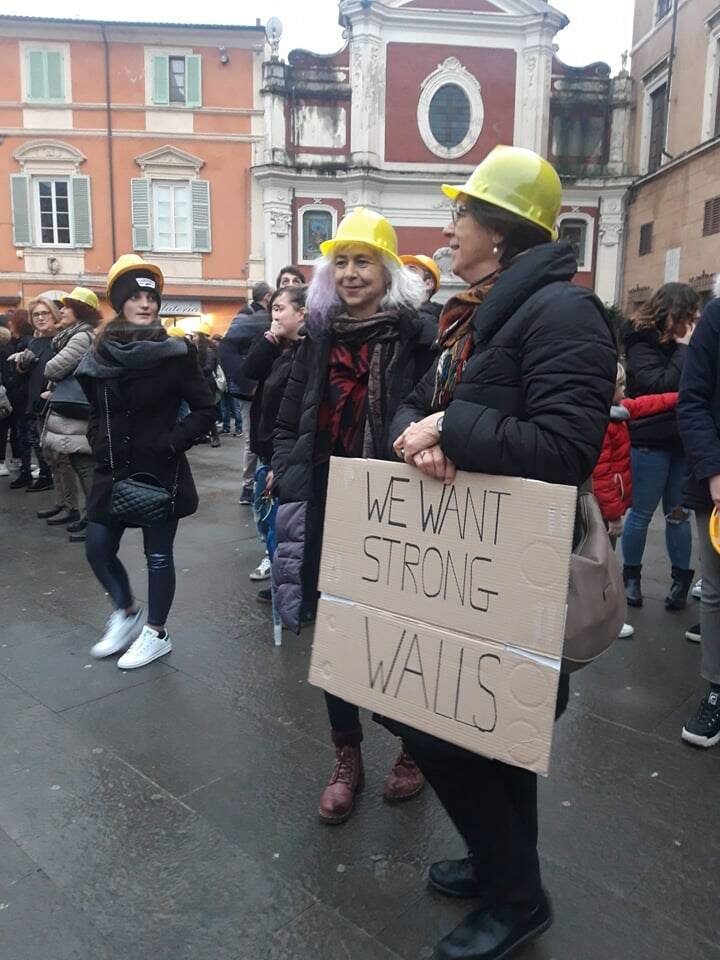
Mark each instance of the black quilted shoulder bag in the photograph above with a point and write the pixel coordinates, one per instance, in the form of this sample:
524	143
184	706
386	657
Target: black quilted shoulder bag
140	500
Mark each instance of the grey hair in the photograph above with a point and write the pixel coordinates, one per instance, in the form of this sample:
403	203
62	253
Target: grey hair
405	289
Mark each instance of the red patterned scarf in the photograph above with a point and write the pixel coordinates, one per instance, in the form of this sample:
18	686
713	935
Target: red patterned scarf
455	339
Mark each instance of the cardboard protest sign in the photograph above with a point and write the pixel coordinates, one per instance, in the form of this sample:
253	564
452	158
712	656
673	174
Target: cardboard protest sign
444	607
488	556
483	696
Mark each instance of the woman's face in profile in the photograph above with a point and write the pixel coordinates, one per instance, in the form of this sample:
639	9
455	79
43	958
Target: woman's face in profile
472	246
360	279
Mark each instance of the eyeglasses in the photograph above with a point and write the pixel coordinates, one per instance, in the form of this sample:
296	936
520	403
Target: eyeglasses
458	211
41	314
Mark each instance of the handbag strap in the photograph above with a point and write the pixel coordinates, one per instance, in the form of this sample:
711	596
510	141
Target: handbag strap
174	489
109	434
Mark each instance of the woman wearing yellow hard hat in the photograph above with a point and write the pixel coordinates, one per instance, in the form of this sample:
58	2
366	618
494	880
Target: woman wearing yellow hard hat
429	313
522	388
66	426
135	379
358	359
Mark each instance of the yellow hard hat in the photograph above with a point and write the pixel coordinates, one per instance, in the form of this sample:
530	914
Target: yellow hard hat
131	261
425	263
175	332
517	180
82	295
205	328
715	530
364	226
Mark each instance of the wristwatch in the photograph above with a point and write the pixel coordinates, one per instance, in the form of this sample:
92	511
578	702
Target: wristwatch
439	424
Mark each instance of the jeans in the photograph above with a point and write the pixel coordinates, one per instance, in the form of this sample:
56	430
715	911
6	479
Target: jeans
101	550
710	603
230	408
35	426
249	458
657	475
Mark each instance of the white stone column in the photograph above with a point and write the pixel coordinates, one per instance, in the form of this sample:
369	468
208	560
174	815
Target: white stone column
277	210
368	79
609	251
532	103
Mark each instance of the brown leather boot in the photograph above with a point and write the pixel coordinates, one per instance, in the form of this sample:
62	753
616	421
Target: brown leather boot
405	780
347	780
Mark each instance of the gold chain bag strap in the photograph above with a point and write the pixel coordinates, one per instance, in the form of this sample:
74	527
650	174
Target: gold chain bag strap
140	500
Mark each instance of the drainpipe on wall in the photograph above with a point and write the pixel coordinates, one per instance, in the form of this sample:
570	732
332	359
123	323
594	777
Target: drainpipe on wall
671	61
108	115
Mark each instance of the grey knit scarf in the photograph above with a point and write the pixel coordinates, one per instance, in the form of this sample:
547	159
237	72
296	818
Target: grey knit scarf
115	358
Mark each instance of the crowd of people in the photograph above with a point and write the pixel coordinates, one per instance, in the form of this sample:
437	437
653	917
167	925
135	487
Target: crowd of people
518	374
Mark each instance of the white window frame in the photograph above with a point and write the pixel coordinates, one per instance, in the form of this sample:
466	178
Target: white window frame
312	208
151	52
37	220
712	77
173	183
452	71
587	265
44	46
653	83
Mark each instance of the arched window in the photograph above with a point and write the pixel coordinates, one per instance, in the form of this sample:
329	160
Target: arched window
450	113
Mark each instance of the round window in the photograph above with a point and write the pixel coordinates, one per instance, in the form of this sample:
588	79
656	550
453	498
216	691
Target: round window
449	115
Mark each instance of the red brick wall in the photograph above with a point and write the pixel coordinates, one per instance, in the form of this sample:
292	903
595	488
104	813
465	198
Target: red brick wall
409	64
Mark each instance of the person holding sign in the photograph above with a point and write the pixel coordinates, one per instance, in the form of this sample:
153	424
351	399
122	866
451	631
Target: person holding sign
358	360
522	388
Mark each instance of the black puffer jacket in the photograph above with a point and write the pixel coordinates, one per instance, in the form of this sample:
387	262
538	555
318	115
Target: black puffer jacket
270	364
699	409
301	484
429	317
234	348
535	396
32	365
653	367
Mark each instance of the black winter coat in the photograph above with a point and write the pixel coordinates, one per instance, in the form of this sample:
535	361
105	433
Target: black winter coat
14	381
429	317
146	435
535	395
301	484
234	348
699	408
41	349
270	364
653	367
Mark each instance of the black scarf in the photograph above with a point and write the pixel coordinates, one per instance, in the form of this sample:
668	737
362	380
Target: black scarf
113	358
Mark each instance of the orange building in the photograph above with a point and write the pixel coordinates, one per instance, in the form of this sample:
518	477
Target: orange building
121	137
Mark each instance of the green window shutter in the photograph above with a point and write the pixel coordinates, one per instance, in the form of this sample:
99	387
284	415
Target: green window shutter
193	80
36	67
161	79
82	219
140	202
22	226
200	199
55	75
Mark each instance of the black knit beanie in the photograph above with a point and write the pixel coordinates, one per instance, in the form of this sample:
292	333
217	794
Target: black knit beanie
130	283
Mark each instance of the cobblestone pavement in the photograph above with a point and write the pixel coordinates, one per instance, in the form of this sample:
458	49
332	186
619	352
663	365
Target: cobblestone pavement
169	813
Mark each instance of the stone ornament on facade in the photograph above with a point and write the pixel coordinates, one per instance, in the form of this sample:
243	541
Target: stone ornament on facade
280	224
169	159
451	71
48	156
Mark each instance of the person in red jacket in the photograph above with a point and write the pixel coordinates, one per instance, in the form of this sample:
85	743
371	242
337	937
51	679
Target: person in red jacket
612	476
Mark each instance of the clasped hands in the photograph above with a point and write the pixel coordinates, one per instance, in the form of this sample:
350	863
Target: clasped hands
419	445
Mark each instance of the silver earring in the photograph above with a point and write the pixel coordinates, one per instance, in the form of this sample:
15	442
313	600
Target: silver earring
496	250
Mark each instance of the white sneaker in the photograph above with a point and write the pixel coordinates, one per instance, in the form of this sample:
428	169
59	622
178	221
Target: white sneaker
148	647
4	472
262	570
626	631
120	632
696	591
35	472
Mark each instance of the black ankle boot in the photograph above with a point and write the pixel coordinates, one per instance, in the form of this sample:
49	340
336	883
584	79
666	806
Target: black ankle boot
681	583
633	590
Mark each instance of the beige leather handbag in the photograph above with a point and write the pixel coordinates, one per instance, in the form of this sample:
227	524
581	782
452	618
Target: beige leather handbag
596	597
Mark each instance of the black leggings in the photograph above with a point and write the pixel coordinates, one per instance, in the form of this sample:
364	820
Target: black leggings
101	549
